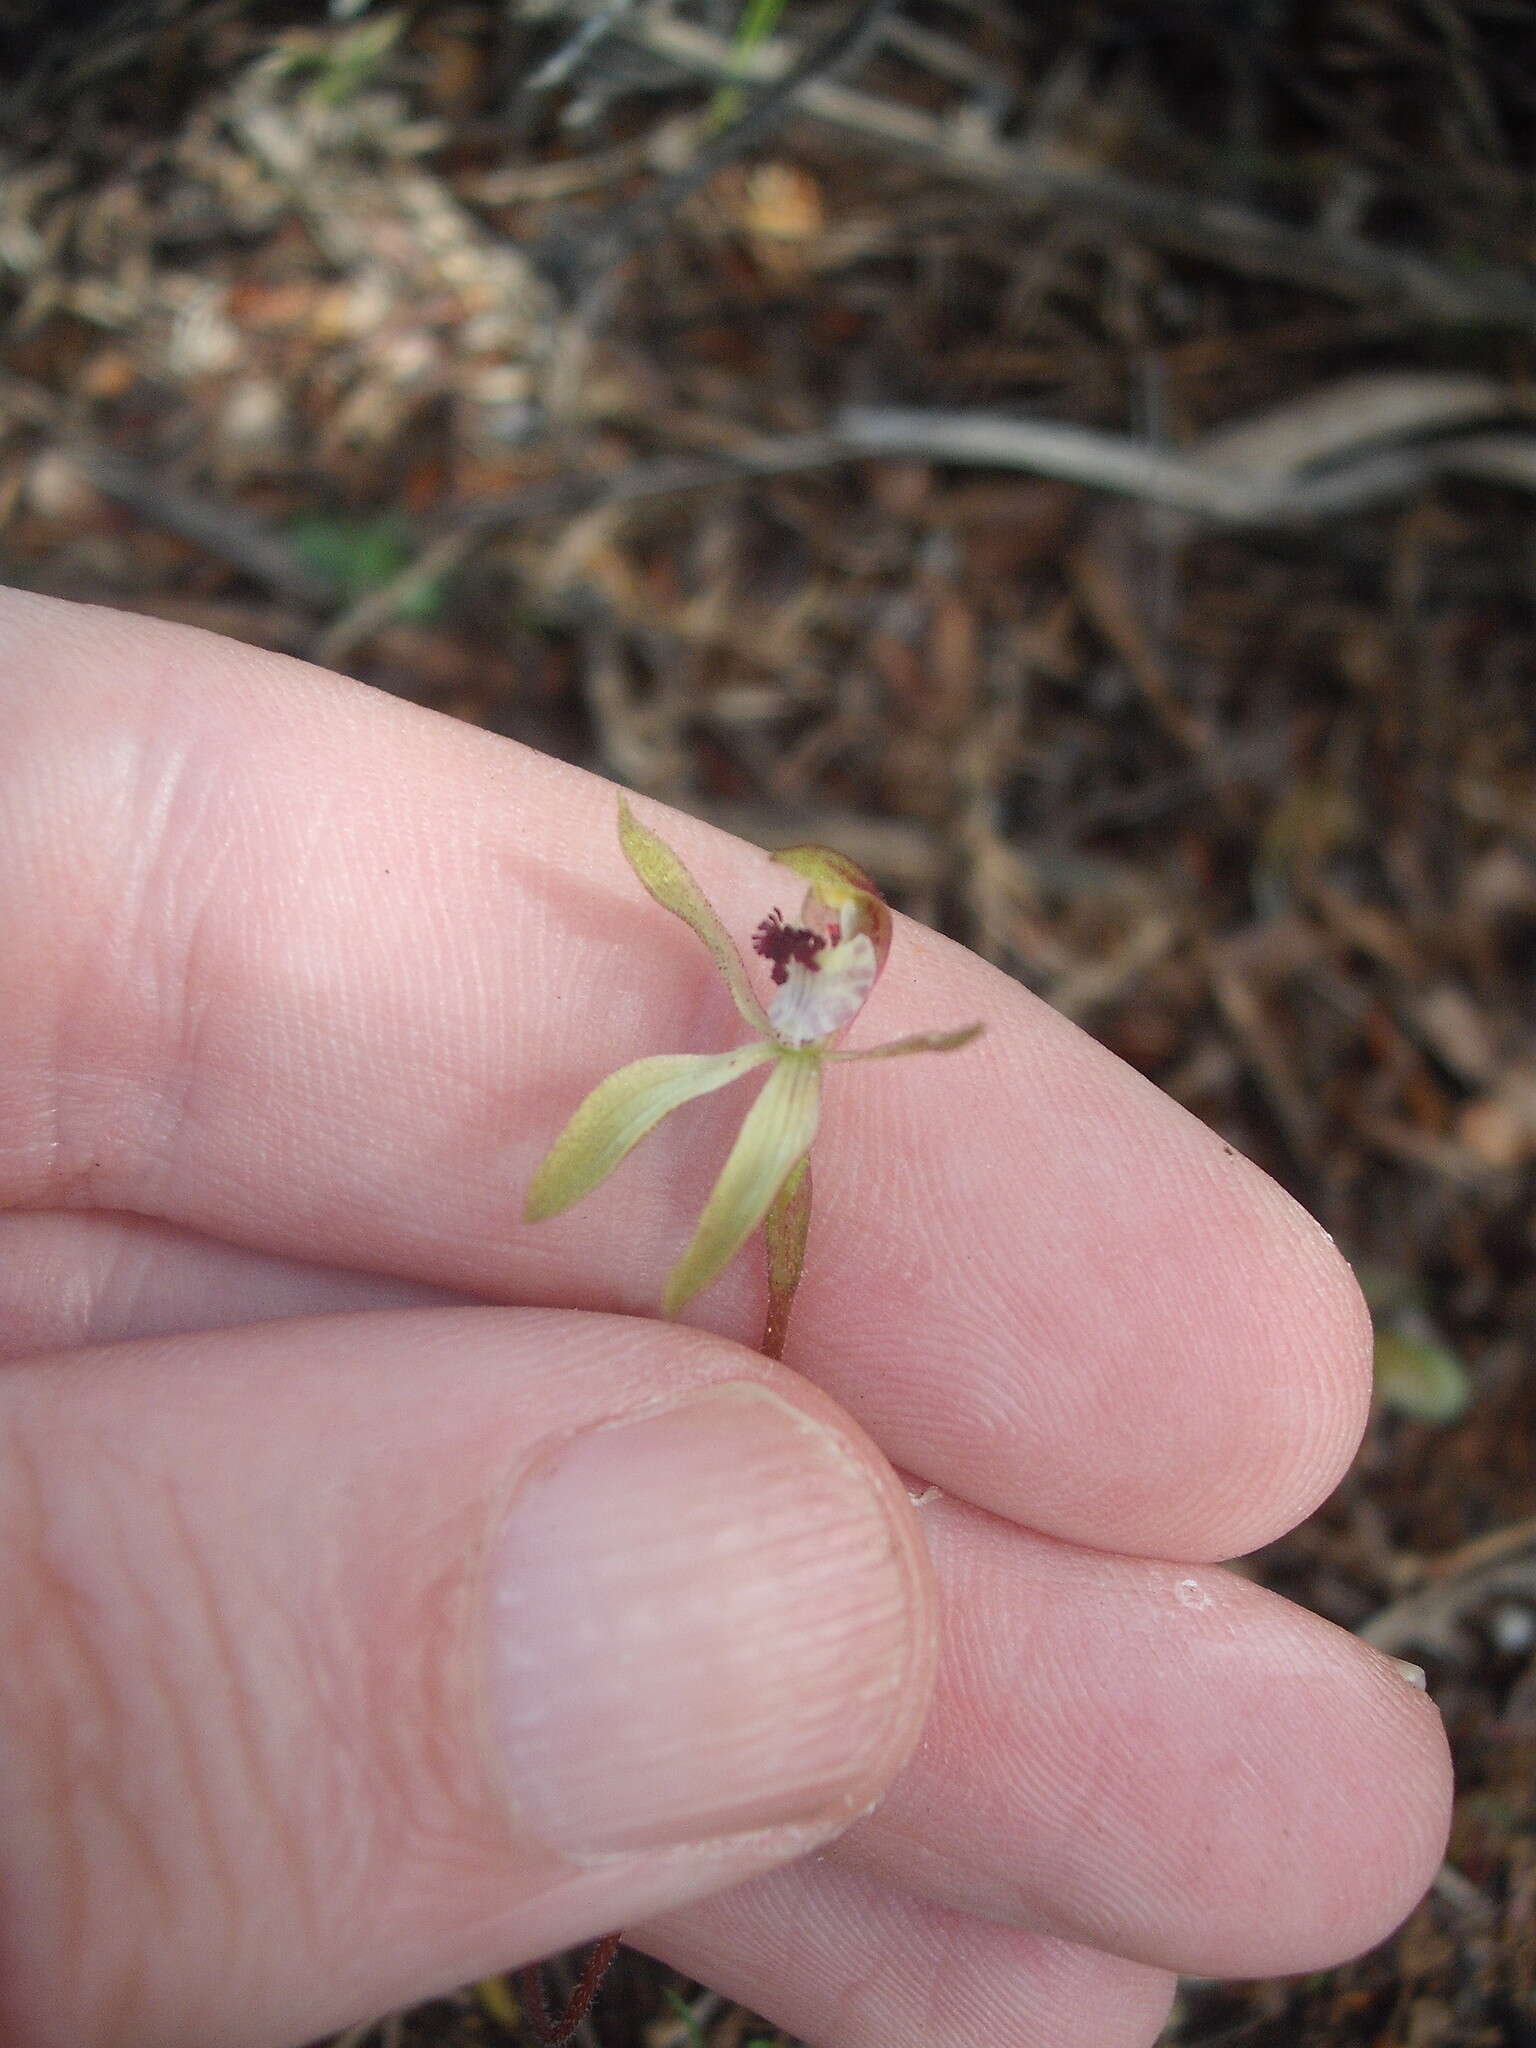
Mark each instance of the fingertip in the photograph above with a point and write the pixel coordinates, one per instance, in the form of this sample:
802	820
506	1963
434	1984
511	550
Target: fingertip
1168	1762
1357	1826
1423	1777
1281	1365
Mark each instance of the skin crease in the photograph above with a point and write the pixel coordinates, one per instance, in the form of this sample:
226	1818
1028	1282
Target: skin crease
283	1031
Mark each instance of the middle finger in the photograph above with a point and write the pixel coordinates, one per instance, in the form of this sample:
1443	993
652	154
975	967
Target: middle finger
1169	1763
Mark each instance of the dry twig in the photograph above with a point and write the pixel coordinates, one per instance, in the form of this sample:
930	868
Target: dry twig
1503	1562
219	528
579	266
1103	203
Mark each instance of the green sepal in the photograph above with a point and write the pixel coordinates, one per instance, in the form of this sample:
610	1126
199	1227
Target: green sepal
617	1114
919	1041
774	1137
662	875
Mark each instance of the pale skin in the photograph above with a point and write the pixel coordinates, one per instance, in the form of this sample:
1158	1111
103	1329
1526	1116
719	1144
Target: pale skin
296	985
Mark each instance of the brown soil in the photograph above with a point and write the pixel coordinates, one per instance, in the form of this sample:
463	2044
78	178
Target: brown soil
428	344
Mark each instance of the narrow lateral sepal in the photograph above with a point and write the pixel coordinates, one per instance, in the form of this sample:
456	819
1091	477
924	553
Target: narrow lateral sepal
617	1114
920	1041
774	1137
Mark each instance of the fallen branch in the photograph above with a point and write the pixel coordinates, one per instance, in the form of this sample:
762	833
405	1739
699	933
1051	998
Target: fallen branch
219	528
1317	457
1283	483
1102	202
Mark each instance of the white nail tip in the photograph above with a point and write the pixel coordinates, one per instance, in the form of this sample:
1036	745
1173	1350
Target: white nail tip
1412	1674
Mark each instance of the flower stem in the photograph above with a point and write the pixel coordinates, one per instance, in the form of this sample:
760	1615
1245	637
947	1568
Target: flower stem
554	2033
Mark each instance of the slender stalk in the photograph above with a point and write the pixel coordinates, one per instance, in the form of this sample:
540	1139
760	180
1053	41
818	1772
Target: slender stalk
759	19
555	2033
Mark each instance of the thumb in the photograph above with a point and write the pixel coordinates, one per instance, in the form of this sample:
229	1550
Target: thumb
345	1660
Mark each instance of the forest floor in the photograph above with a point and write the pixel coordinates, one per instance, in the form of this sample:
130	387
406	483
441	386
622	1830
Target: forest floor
1078	460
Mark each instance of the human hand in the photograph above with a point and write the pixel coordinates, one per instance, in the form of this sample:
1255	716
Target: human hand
355	1641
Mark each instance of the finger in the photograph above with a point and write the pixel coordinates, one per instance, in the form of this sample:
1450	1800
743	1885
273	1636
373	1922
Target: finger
1176	1766
964	1784
344	1660
842	1963
333	1001
95	1278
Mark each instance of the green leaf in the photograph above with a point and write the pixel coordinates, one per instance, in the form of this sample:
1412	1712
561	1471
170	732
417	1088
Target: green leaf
360	555
684	2012
1420	1377
920	1041
759	18
774	1138
786	1226
617	1114
664	877
495	1994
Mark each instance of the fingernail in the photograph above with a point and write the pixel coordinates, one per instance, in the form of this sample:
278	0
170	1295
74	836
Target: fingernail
702	1627
1411	1674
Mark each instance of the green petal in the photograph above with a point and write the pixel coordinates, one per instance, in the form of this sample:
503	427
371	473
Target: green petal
619	1112
774	1138
920	1041
663	876
786	1227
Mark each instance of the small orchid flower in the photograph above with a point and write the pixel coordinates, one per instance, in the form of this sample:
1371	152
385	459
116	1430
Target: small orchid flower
823	969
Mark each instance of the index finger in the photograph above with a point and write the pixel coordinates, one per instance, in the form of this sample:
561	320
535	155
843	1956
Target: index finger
319	972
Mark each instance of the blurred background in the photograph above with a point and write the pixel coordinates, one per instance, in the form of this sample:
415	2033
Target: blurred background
1080	460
